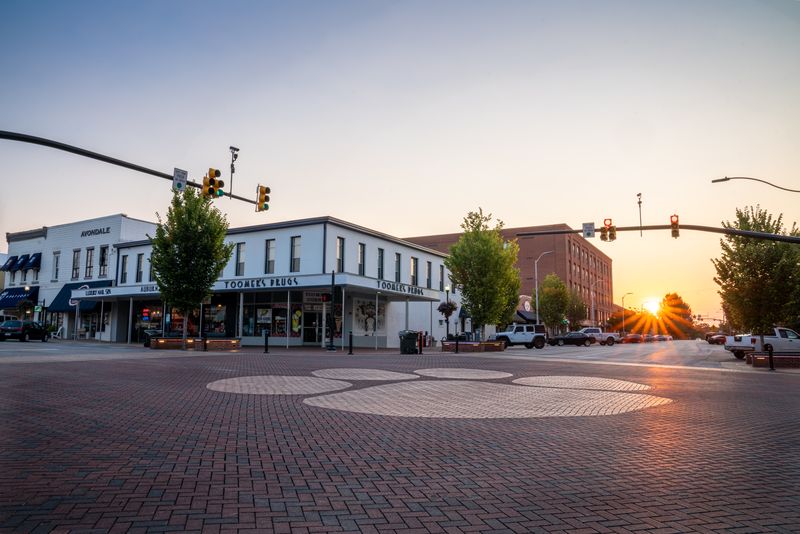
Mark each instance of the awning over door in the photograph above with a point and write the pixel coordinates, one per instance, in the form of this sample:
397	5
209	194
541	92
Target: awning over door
12	296
62	301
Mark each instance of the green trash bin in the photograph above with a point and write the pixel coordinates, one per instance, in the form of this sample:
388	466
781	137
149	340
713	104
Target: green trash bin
408	341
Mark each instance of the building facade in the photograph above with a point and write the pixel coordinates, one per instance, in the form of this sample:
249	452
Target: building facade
581	265
278	282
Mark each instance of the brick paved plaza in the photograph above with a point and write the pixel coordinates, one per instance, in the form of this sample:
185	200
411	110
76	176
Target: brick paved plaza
384	442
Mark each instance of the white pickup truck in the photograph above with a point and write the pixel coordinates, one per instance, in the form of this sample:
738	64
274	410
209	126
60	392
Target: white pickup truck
604	338
780	340
530	335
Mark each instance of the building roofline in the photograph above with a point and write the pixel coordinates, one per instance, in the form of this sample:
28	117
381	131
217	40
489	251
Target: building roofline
22	235
297	223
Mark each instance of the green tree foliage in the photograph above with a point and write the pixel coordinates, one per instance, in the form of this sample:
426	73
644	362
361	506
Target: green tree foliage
759	279
553	301
576	310
483	264
189	251
675	317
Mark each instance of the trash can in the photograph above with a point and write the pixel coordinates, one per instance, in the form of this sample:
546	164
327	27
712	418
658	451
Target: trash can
408	341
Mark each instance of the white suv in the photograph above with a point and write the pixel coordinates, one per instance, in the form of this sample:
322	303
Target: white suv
530	335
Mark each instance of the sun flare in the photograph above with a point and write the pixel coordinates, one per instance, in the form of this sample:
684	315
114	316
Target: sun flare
653	306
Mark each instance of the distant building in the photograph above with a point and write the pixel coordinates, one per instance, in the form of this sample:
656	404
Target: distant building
581	265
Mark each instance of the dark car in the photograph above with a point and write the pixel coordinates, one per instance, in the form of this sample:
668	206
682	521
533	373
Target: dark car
716	339
572	338
22	330
632	338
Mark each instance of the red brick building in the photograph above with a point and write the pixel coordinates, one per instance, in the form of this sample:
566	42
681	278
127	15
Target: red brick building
575	260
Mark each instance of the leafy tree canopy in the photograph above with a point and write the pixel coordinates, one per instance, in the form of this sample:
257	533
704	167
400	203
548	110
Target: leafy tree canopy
759	280
553	300
576	309
189	250
483	264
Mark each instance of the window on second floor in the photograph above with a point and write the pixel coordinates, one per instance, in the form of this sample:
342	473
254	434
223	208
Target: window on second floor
139	267
428	275
339	254
56	264
239	259
269	257
441	278
380	264
294	265
414	267
76	263
103	271
89	263
362	258
397	260
123	270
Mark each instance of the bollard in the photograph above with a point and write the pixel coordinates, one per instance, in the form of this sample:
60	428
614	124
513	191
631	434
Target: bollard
266	341
419	342
350	348
771	364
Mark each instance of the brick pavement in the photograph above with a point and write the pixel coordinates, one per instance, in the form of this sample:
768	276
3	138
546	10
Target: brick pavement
142	445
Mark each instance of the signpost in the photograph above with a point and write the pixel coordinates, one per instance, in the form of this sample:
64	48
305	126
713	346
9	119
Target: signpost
179	177
588	230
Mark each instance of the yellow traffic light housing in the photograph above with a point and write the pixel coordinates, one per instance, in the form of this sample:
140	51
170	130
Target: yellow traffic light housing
262	198
603	234
212	185
605	231
612	233
673	222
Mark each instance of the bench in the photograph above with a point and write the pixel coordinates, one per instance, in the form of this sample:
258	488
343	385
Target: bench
788	360
221	344
174	343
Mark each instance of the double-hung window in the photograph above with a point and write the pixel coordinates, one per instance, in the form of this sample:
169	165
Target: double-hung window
89	263
428	275
139	267
56	264
123	270
239	259
76	263
294	265
380	264
397	260
414	268
103	270
269	257
362	257
339	254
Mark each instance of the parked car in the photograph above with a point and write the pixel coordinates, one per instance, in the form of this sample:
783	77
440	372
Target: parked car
662	337
649	338
530	335
572	338
149	334
716	339
22	330
632	338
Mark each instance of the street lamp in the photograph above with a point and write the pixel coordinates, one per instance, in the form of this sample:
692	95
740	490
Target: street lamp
536	282
623	310
447	317
594	320
718	180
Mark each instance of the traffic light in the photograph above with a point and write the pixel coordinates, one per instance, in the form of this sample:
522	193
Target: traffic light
212	185
262	198
605	231
612	233
673	222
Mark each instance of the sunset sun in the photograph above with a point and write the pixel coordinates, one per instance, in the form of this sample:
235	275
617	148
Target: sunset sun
653	306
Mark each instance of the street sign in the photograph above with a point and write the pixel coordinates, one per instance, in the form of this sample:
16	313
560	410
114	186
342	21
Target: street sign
179	177
588	230
37	308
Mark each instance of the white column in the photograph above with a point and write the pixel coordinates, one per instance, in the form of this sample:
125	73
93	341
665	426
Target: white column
344	318
241	315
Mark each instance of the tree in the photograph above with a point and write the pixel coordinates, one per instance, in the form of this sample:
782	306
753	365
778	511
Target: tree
576	309
483	264
553	301
675	317
189	251
758	279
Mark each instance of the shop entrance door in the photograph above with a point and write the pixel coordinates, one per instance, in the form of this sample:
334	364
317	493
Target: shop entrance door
312	327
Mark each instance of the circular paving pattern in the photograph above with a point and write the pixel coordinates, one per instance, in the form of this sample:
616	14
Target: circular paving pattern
462	374
466	399
363	374
277	385
581	382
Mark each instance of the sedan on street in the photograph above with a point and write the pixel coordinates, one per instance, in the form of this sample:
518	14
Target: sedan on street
572	338
632	338
22	330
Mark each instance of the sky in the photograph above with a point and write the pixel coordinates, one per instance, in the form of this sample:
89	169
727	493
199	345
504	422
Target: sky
404	116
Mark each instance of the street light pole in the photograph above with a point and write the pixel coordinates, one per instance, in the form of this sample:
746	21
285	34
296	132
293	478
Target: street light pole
594	319
536	282
755	180
623	310
447	317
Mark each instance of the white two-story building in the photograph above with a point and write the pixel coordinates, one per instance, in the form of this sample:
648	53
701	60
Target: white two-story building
279	281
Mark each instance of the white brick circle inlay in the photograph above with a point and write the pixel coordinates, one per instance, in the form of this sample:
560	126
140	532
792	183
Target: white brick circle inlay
466	399
462	374
581	382
362	374
277	385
